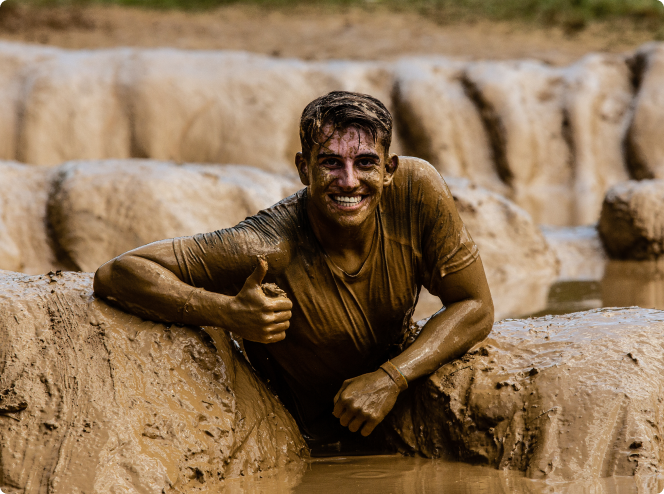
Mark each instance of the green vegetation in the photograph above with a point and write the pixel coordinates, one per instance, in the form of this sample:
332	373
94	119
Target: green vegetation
572	13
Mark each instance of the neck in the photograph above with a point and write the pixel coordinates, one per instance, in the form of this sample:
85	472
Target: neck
347	246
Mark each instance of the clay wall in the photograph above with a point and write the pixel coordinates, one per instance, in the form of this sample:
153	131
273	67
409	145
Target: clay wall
540	135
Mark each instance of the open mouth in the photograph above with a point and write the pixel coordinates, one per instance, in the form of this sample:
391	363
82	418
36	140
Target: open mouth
348	201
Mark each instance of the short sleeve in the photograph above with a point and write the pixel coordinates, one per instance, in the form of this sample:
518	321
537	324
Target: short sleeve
221	261
447	247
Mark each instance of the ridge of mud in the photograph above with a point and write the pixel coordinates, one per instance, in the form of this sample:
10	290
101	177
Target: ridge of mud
562	398
535	133
95	400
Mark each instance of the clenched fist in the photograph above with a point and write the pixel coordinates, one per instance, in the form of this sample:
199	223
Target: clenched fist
363	402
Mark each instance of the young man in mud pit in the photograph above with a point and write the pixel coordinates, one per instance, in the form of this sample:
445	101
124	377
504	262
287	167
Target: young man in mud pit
351	251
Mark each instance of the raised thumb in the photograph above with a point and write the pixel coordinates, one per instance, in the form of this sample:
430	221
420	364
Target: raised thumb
256	278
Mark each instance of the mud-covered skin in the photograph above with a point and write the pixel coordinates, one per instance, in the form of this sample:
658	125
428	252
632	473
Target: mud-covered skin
95	400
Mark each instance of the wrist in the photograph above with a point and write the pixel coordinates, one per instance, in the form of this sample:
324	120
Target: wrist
205	308
395	374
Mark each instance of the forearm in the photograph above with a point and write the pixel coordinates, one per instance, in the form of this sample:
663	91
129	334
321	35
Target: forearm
147	289
446	336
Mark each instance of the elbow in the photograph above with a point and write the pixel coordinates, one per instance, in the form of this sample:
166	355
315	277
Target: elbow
484	319
487	319
102	285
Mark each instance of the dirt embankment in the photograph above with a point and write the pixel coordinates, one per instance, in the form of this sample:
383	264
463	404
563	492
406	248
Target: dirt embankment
574	397
540	135
95	400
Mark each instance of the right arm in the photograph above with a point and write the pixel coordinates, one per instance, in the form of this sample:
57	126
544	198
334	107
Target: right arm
148	282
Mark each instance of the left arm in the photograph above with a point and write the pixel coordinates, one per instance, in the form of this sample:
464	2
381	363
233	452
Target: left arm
364	401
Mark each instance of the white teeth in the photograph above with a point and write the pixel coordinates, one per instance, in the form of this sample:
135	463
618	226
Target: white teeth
348	200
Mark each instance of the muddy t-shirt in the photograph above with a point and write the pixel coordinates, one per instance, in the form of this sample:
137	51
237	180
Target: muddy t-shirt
342	324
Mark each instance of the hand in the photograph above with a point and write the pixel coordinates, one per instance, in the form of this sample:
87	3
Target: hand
255	316
364	401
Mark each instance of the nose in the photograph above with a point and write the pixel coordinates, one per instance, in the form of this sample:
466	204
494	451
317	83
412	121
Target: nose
348	178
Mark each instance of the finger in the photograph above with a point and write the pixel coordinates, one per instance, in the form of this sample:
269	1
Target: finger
278	304
341	390
339	408
274	337
369	427
357	422
347	417
256	278
277	327
276	317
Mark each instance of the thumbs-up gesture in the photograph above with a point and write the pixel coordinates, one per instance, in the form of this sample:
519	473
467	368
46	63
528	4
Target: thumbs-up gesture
257	317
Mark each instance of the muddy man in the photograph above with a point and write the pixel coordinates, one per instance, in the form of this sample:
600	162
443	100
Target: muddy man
352	251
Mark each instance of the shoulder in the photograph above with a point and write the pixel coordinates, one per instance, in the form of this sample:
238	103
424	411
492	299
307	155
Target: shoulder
416	167
418	179
280	220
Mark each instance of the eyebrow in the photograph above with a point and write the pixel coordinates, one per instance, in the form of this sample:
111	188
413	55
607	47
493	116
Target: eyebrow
323	154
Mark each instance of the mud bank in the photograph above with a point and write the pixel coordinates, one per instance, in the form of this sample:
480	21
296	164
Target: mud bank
562	398
537	133
94	400
631	225
81	214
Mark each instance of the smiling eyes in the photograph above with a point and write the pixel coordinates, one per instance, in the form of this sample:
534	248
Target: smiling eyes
361	163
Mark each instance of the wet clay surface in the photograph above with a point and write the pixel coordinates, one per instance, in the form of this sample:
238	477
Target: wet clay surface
564	398
95	400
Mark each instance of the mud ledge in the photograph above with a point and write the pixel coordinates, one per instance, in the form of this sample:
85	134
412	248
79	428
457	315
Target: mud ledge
95	400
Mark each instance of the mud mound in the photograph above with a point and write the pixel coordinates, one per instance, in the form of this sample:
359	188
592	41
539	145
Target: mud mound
538	134
25	244
519	264
580	252
562	398
101	209
440	124
95	400
89	212
631	225
644	143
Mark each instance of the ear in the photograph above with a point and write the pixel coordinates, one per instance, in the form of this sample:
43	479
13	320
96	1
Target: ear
302	168
391	166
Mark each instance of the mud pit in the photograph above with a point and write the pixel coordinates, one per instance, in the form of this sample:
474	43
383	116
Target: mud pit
95	400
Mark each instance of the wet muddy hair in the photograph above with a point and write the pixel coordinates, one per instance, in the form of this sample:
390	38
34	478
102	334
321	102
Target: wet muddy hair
343	109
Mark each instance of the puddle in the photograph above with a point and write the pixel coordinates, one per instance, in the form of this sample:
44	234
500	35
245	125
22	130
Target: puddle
403	475
624	284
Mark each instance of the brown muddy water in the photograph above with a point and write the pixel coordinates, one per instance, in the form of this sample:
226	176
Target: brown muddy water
404	475
623	284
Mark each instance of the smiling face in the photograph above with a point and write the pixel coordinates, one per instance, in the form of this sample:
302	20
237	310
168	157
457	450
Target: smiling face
346	176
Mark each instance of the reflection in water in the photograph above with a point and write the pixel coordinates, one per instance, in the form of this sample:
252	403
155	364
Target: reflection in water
402	475
624	284
628	283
